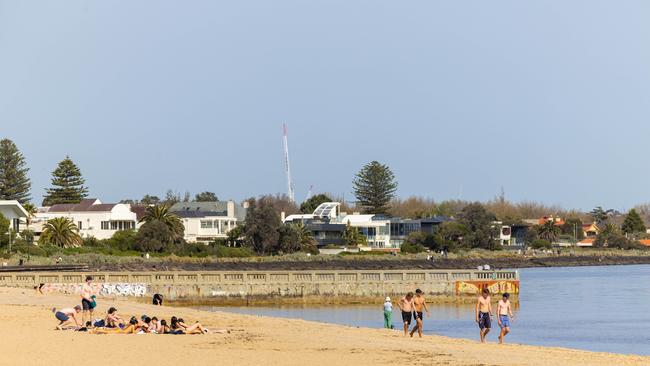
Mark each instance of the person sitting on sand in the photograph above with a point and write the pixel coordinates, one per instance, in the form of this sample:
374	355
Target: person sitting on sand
174	327
164	328
154	326
132	328
65	314
113	320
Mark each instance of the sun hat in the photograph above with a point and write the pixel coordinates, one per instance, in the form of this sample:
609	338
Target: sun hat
387	298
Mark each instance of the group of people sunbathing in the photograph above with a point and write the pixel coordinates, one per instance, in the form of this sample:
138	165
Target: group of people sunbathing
113	323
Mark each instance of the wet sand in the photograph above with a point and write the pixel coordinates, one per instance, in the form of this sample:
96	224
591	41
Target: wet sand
28	338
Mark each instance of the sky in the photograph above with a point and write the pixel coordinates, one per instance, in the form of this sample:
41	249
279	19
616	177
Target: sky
548	99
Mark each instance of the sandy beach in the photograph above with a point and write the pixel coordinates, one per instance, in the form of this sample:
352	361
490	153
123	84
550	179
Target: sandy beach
29	338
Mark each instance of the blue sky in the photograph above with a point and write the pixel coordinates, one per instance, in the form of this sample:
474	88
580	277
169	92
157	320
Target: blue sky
550	100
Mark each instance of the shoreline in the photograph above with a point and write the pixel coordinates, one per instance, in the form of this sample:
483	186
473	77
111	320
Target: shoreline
28	326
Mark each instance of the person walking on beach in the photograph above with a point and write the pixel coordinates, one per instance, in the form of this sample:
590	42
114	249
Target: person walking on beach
419	303
406	306
388	313
64	315
87	301
483	313
504	312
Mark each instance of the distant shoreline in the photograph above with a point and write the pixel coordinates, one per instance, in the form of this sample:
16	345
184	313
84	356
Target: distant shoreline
509	262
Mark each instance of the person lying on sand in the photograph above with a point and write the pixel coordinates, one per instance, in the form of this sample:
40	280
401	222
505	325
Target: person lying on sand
132	328
64	315
195	328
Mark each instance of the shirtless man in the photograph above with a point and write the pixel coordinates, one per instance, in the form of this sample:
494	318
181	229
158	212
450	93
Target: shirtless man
406	306
419	303
504	312
64	315
483	313
86	299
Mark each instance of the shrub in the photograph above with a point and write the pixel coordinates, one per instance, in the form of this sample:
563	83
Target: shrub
541	244
412	248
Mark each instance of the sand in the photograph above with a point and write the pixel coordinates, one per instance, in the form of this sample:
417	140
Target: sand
27	337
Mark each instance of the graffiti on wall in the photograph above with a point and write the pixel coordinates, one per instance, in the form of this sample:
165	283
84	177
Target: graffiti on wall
495	287
101	289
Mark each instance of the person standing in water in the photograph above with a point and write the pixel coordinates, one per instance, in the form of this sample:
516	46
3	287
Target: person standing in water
419	304
483	313
388	313
406	306
504	312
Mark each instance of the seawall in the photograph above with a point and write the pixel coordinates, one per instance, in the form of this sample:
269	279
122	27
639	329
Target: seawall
237	287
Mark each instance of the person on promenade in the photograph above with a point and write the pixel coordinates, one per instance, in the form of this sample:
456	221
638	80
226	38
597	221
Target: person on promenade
64	315
483	313
406	306
87	301
388	313
504	312
419	303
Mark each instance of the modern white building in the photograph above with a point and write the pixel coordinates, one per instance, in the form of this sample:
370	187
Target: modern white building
92	217
207	221
15	213
328	224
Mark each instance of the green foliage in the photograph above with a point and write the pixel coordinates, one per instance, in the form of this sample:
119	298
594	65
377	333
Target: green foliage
612	238
353	238
233	237
27	235
548	231
150	200
221	251
310	205
541	244
67	184
5	224
61	232
633	223
123	240
573	226
411	247
374	187
479	223
156	237
420	239
14	182
600	215
206	197
161	213
262	226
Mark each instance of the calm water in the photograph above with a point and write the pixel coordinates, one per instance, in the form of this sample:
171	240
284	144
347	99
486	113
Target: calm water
603	309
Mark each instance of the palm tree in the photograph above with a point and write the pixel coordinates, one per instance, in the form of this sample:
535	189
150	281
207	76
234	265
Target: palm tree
549	231
62	232
162	214
31	213
306	236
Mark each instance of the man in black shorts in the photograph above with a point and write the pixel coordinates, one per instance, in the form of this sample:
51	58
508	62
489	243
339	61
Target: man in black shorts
87	301
406	306
483	313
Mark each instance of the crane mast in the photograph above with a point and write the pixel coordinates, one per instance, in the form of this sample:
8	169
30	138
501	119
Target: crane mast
287	165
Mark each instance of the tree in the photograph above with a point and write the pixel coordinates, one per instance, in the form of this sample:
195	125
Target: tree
310	205
150	200
233	236
353	238
289	240
62	232
633	223
481	230
206	197
600	215
573	226
418	239
307	241
374	188
14	183
549	231
31	213
68	184
161	213
5	224
155	236
171	198
261	228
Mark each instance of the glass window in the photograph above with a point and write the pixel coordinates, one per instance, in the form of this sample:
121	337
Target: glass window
205	224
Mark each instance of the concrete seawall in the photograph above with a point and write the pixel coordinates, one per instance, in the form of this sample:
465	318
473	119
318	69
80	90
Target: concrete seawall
233	287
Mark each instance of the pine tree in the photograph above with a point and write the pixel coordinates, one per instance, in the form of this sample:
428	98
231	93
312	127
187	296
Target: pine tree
68	184
374	187
14	183
633	223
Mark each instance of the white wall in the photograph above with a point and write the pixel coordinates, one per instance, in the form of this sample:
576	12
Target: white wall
91	221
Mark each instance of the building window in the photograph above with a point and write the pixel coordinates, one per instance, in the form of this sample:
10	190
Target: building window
80	225
105	225
206	224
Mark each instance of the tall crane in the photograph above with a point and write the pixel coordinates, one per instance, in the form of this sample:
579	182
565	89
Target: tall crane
287	166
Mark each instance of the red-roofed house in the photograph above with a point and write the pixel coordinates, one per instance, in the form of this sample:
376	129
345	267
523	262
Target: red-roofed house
92	217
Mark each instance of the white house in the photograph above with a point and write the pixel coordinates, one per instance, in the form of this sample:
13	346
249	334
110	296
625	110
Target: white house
207	221
15	212
92	217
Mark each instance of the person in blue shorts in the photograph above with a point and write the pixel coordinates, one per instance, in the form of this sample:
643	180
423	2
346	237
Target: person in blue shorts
504	312
64	315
